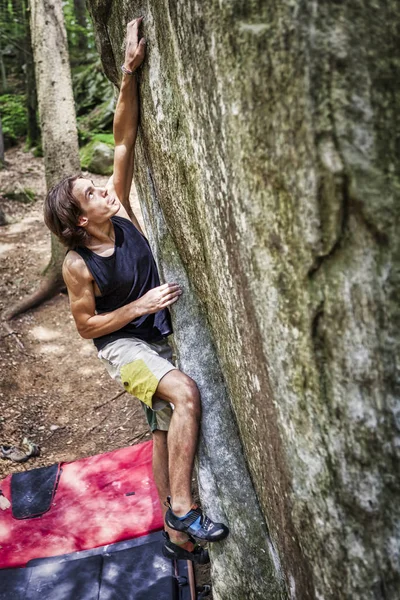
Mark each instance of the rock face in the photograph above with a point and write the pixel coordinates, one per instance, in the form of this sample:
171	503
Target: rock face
266	165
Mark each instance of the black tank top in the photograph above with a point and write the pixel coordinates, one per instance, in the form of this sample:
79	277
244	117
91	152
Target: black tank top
125	276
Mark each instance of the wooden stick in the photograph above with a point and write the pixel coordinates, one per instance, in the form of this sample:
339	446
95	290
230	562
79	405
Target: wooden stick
107	401
98	424
139	437
14	335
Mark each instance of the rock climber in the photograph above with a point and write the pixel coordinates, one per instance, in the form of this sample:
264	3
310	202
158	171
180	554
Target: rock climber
116	299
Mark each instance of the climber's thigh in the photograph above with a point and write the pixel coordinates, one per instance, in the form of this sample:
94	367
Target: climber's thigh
138	367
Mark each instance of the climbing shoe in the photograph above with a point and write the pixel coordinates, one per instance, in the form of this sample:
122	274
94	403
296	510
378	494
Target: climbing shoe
198	555
196	524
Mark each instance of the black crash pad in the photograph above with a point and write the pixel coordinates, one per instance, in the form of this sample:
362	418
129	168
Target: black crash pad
129	570
32	491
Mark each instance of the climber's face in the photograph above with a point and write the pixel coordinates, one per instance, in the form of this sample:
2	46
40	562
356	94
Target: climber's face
97	204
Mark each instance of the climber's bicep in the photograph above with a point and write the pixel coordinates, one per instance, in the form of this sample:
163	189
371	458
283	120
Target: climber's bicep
80	288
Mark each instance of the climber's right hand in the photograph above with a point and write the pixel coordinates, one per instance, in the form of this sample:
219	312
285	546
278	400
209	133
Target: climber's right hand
159	298
135	50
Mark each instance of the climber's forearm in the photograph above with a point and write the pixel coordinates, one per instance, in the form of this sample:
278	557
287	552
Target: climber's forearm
126	116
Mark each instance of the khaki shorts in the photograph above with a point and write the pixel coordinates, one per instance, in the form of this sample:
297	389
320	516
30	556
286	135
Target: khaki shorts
138	367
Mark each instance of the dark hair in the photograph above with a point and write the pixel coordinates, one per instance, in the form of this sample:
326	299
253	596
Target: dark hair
61	213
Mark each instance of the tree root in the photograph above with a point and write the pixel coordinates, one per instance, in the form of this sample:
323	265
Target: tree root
14	335
48	289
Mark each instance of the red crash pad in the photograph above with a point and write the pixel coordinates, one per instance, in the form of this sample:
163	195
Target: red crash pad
94	505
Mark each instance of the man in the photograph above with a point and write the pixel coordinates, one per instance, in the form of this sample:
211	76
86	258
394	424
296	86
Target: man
116	299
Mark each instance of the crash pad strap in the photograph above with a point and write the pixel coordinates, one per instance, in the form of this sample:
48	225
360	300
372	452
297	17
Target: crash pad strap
32	492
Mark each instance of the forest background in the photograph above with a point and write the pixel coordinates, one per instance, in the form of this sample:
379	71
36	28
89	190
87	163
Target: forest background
93	93
53	391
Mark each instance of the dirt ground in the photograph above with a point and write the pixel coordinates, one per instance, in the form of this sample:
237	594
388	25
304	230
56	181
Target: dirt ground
53	389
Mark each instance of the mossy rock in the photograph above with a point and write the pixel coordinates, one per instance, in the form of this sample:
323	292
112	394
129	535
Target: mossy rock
37	151
91	88
98	156
100	118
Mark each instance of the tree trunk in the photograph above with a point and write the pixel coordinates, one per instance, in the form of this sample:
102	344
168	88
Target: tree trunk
55	96
58	122
33	137
3	78
1	145
267	167
80	15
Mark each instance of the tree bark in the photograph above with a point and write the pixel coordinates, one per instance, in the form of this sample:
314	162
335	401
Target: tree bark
55	96
3	77
58	123
1	145
33	136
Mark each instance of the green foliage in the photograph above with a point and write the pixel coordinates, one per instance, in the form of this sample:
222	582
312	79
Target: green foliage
12	45
98	120
106	138
85	137
24	195
30	194
81	42
13	117
94	95
38	150
85	154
